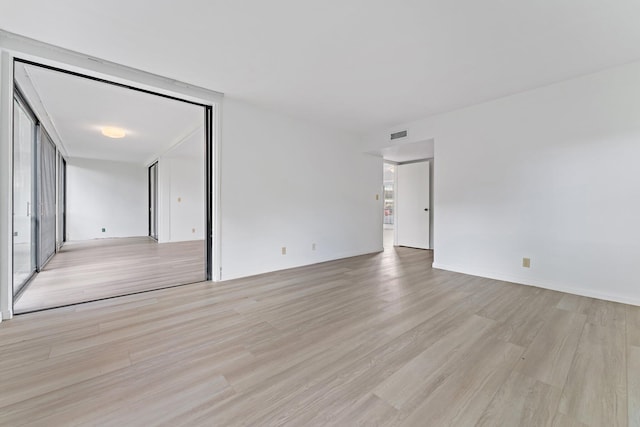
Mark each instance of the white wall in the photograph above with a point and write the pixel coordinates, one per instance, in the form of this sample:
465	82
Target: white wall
181	199
290	183
106	194
187	203
6	185
551	174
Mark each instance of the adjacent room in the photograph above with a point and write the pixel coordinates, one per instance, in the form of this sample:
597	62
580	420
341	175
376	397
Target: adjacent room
354	213
117	190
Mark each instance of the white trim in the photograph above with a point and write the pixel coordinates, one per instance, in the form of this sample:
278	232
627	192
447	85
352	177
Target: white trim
216	225
6	184
46	54
176	144
541	284
16	46
31	93
329	258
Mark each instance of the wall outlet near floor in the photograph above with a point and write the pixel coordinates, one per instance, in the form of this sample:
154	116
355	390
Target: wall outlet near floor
104	229
377	197
526	262
313	246
193	230
284	250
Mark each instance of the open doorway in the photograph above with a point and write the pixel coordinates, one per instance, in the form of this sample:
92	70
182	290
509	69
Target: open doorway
388	192
408	195
116	188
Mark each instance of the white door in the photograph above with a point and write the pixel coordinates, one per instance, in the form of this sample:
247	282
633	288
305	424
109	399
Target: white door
412	205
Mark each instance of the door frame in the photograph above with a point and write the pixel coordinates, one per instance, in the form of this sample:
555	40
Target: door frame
63	189
155	198
399	196
14	47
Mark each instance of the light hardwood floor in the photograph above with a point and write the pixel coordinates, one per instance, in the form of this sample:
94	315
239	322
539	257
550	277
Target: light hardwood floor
97	269
373	340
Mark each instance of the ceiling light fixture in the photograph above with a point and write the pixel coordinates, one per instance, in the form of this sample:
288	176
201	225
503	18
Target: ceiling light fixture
113	132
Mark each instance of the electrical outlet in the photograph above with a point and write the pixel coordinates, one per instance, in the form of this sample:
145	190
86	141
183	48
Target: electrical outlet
104	229
313	246
377	197
526	262
193	230
284	250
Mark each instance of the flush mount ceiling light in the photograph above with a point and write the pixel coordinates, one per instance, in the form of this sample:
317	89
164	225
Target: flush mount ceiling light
113	132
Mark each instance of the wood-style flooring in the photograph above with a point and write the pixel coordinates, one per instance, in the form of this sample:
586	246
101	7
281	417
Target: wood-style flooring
104	268
381	339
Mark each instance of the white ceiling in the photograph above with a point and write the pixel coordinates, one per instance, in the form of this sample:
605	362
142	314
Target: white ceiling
79	108
356	64
407	152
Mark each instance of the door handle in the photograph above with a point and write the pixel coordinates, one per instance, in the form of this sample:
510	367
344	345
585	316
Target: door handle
426	209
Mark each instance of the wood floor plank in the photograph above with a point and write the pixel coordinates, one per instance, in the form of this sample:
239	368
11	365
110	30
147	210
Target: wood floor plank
522	401
53	374
562	420
633	325
633	381
596	389
551	353
472	387
370	410
575	303
104	268
607	313
380	339
404	384
523	324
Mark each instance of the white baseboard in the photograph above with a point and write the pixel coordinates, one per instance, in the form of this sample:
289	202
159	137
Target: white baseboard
318	260
540	284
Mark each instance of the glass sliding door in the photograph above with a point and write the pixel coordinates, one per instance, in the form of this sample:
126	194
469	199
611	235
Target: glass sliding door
62	201
153	201
46	199
24	183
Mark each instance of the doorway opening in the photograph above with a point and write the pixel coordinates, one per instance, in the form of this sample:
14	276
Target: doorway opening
408	194
112	189
413	202
388	197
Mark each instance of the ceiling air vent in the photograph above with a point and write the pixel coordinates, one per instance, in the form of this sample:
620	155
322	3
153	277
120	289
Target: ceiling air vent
398	135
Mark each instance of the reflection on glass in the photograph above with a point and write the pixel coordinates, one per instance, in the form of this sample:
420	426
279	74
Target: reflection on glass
23	197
